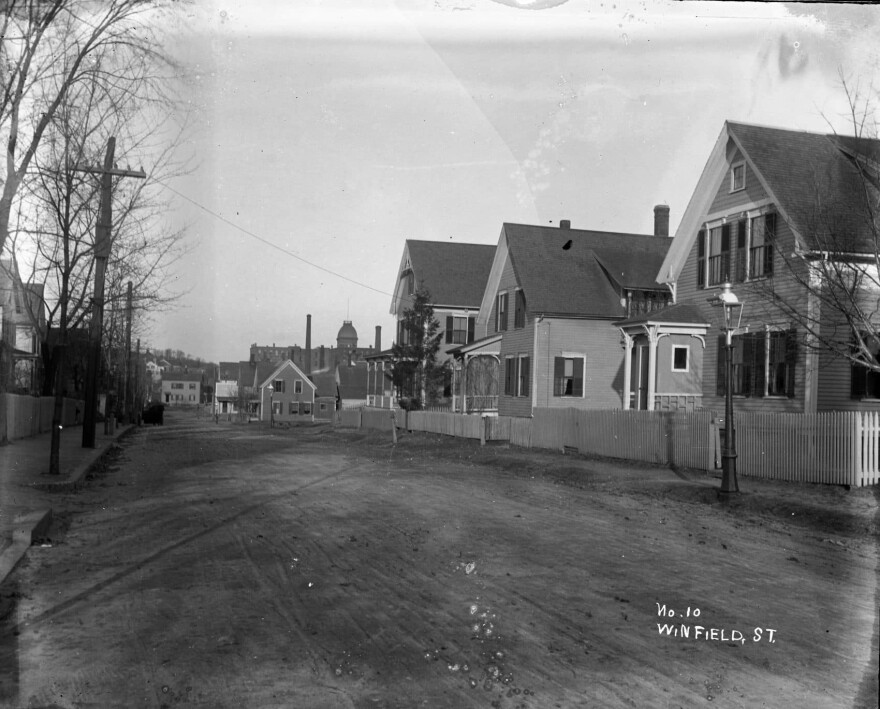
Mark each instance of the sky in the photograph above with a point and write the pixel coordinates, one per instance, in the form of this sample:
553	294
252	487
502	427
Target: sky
329	133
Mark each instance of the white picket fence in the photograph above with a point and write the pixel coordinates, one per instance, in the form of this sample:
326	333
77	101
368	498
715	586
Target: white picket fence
866	449
840	448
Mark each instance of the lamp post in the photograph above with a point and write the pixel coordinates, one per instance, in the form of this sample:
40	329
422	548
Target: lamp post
271	406
732	308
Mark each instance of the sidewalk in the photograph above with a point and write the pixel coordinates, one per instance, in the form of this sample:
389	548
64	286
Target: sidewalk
27	490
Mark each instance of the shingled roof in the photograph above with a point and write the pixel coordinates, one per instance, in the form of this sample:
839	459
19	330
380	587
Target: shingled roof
816	181
454	274
574	271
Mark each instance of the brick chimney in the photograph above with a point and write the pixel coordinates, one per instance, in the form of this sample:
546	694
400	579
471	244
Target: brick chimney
378	338
661	220
308	356
565	224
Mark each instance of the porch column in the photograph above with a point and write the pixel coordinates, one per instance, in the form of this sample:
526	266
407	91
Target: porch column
652	366
627	368
453	385
464	368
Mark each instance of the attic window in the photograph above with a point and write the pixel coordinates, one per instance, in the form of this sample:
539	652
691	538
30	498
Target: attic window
738	177
409	280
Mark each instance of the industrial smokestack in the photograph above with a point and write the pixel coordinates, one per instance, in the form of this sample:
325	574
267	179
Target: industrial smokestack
308	344
378	338
661	220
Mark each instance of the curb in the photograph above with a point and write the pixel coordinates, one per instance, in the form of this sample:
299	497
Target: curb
77	478
26	529
34	525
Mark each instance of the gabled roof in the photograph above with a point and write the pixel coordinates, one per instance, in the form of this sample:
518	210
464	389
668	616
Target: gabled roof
454	274
266	372
811	178
574	272
325	384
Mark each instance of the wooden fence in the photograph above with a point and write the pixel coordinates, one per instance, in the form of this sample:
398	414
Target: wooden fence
22	416
841	448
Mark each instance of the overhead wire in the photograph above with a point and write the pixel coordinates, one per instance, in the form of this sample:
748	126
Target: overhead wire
271	244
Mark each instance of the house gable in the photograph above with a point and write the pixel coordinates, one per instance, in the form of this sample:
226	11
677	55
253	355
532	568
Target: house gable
453	273
285	370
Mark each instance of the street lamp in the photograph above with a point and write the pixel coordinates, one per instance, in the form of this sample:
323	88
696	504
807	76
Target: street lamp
732	309
271	406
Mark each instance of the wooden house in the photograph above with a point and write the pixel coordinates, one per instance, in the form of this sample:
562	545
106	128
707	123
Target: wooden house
554	296
774	212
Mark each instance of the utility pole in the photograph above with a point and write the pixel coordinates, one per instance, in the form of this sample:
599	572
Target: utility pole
126	390
136	398
102	254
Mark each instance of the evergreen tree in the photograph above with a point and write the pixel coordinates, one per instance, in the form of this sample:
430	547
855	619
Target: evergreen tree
416	373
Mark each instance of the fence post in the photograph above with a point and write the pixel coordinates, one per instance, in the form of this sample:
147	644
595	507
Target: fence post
858	461
484	422
393	428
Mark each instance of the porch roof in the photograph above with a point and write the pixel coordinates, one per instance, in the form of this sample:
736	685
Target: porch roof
686	314
476	345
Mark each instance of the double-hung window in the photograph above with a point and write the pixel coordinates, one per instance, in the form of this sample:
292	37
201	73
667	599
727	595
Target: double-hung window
763	364
279	386
517	372
523	372
297	386
501	313
719	255
865	382
738	177
568	376
761	235
459	330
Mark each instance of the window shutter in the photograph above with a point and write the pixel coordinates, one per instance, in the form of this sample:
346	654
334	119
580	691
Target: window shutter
470	332
741	234
721	375
725	250
578	388
449	326
791	361
701	263
769	239
558	373
759	361
748	364
524	375
858	382
508	375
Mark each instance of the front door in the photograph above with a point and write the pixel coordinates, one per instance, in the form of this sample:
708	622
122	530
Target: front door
642	391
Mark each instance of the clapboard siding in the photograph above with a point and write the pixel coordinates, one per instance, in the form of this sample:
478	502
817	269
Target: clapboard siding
727	201
598	341
506	283
516	342
758	309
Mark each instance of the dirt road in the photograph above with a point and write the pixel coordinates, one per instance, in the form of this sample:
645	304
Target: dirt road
224	566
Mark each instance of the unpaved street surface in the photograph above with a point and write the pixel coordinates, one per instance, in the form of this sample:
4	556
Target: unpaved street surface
230	566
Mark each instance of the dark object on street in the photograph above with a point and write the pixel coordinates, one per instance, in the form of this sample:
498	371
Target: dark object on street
154	413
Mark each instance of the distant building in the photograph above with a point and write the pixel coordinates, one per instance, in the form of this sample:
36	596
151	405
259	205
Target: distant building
182	389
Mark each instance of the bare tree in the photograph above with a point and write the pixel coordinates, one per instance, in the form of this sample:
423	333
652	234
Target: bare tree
831	288
104	81
49	49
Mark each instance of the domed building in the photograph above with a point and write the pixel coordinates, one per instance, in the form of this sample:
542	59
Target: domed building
347	338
